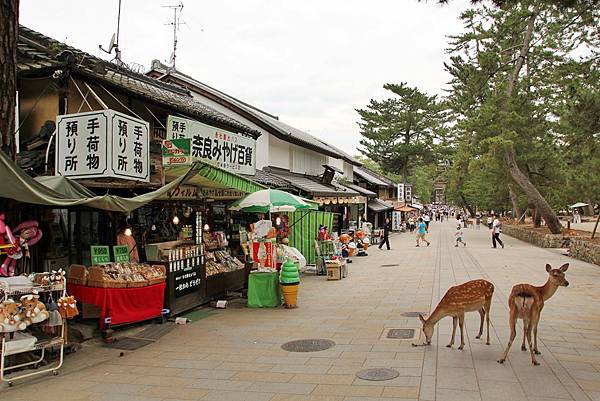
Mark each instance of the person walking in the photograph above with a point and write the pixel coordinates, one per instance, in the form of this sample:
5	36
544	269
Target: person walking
496	230
426	219
411	224
421	231
459	236
489	221
478	221
386	232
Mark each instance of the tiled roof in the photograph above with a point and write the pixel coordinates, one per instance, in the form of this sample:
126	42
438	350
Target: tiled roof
37	52
360	190
276	127
268	179
377	205
372	177
311	186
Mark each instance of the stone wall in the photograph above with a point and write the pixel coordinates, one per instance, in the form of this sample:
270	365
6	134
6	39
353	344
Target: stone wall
536	238
585	250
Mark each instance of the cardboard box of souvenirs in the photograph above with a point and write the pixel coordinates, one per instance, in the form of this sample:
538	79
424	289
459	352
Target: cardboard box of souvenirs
334	269
123	276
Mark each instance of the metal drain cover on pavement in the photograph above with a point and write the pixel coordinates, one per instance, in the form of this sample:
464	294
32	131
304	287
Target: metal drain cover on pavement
391	265
413	314
401	334
310	345
378	374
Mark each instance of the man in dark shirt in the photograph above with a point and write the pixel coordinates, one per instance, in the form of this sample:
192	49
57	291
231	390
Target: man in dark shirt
386	232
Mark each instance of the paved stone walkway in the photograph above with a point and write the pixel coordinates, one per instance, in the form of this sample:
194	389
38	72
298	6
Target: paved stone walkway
236	354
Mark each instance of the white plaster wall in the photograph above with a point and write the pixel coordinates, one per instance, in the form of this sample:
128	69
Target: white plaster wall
306	161
279	153
262	151
348	170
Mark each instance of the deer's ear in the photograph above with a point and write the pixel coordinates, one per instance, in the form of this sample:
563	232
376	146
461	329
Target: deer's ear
421	318
564	267
548	267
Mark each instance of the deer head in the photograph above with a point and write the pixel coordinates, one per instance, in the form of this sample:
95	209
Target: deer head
427	329
557	276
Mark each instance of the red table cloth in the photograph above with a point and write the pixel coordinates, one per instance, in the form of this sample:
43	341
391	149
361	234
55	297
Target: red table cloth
122	305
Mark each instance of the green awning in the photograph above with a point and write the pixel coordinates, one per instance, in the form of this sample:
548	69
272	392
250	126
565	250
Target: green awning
208	176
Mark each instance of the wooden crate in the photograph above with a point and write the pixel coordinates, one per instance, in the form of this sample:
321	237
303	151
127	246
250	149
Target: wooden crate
334	272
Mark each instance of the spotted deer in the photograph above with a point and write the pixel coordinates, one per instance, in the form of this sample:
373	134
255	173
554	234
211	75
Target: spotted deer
526	302
474	295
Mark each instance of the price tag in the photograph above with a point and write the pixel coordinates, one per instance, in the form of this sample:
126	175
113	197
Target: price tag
100	254
121	253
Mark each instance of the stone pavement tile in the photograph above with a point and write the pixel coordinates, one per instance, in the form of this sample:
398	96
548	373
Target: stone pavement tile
335	362
191	364
571	366
500	391
541	385
394	363
454	358
218	395
411	392
169	381
368	354
400	381
323	378
207	374
409	355
301	368
124	397
594	395
589	385
182	355
282	360
282	388
250	367
296	397
457	379
270	377
492	370
585	375
427	390
344	390
444	394
210	384
175	392
344	370
118	388
375	399
354	347
230	358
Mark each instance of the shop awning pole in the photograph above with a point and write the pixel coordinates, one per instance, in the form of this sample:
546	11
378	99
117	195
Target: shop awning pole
301	217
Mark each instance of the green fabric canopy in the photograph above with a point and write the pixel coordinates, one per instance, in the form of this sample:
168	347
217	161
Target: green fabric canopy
209	176
60	192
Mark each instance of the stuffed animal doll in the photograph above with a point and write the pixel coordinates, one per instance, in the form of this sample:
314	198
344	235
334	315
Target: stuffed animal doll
35	311
57	277
67	306
11	317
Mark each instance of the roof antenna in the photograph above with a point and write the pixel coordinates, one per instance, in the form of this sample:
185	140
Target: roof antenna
114	42
176	22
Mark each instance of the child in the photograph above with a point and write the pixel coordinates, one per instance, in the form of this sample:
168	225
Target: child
459	236
421	231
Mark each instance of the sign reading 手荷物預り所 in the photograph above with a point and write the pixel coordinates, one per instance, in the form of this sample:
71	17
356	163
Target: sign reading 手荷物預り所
224	149
102	143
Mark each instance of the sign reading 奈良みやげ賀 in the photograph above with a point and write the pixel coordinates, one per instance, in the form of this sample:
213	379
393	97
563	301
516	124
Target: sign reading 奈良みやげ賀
224	149
102	143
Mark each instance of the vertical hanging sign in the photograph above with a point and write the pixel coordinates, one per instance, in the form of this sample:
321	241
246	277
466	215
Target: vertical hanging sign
102	143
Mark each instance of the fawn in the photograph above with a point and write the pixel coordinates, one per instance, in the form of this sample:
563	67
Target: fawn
526	302
474	295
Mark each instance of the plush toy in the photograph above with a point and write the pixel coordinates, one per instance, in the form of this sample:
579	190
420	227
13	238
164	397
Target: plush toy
11	249
11	317
28	234
35	311
67	306
57	277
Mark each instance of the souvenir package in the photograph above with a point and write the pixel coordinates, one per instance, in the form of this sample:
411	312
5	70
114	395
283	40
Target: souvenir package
121	275
221	262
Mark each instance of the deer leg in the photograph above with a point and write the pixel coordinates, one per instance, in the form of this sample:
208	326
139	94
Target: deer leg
487	321
525	324
512	321
461	322
482	315
535	327
529	329
454	320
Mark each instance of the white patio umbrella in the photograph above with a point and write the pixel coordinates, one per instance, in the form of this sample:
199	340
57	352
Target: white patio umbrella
578	204
271	200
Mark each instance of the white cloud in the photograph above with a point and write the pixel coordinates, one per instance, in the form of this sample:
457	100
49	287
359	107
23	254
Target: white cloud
310	62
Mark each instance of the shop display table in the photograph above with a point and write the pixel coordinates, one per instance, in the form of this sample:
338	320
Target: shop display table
263	290
122	305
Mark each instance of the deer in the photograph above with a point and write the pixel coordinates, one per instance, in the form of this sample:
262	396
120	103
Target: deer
526	302
474	295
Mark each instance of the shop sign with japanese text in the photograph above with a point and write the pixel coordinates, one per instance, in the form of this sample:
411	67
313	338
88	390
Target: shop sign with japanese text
222	193
224	149
102	143
177	152
182	192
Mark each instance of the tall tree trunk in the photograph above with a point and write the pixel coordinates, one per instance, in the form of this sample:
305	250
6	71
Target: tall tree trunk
533	194
589	209
9	27
510	157
516	210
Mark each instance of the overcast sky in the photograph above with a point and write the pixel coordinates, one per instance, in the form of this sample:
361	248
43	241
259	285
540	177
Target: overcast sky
310	62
